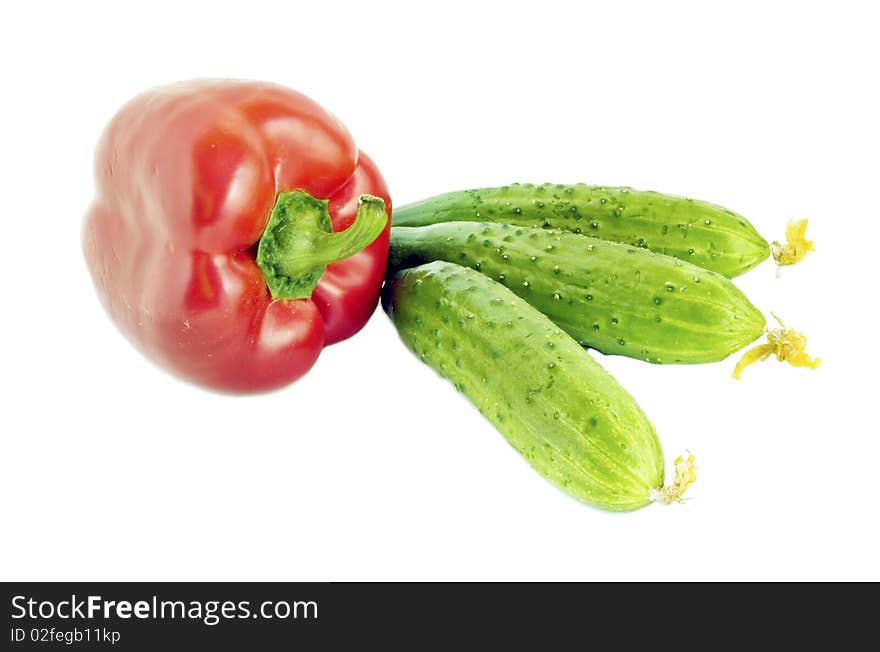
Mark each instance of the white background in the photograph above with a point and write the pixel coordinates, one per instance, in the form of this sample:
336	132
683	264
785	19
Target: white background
371	467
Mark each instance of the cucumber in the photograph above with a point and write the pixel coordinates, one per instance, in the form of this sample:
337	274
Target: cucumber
612	297
550	399
698	232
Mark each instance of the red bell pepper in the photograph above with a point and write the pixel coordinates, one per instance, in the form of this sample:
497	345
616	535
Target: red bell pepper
236	231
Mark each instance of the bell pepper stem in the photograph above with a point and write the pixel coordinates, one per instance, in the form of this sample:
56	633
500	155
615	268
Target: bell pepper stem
298	242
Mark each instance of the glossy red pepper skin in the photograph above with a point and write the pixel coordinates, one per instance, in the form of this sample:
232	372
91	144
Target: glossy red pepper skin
186	177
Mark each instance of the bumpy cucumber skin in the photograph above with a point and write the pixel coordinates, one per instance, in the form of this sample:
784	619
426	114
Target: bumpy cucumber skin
550	399
698	232
612	297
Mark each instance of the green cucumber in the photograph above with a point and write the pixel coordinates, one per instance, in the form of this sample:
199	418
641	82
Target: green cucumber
612	297
550	399
698	232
